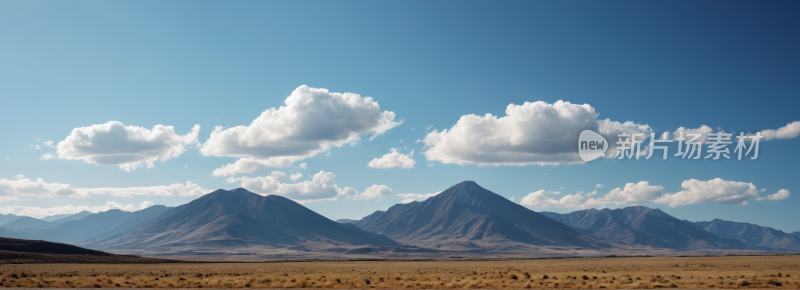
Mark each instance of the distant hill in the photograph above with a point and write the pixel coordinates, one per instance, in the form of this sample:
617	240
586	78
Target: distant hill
54	217
239	218
640	225
4	218
467	216
25	222
71	217
32	251
753	235
74	230
84	227
44	247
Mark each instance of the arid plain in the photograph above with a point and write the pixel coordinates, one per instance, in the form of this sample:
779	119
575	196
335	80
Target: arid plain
627	272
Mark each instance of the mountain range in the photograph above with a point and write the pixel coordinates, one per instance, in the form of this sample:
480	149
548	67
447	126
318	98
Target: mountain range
754	235
643	226
464	218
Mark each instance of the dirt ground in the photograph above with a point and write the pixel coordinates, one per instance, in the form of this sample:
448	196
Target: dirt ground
632	272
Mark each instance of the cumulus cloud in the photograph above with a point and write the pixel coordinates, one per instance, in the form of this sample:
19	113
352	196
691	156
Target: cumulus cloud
791	130
393	159
175	189
296	176
312	121
320	187
39	212
687	134
712	191
145	204
634	193
780	195
47	156
128	147
22	186
599	185
531	133
49	143
693	192
409	197
539	199
4	198
374	191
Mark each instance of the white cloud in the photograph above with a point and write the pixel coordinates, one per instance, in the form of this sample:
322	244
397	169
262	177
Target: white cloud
712	191
791	130
780	195
374	191
296	176
539	199
531	133
634	193
312	121
302	166
175	189
38	212
694	192
320	187
416	196
128	147
599	186
4	198
145	204
409	200
703	131
393	159
46	156
39	188
36	147
49	143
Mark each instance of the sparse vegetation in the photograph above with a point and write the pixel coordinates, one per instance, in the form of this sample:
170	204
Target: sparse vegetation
596	273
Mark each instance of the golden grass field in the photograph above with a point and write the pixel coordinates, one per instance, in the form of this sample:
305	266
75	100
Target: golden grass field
632	272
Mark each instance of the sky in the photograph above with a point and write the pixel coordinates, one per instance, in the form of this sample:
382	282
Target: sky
354	106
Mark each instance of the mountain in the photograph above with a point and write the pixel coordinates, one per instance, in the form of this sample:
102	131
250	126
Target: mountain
26	222
8	233
131	221
241	218
54	217
72	217
753	235
467	216
78	229
4	218
85	226
643	226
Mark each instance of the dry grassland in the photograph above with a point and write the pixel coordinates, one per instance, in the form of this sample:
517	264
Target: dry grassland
644	272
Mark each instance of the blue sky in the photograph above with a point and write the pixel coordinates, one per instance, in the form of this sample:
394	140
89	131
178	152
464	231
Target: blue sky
729	65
